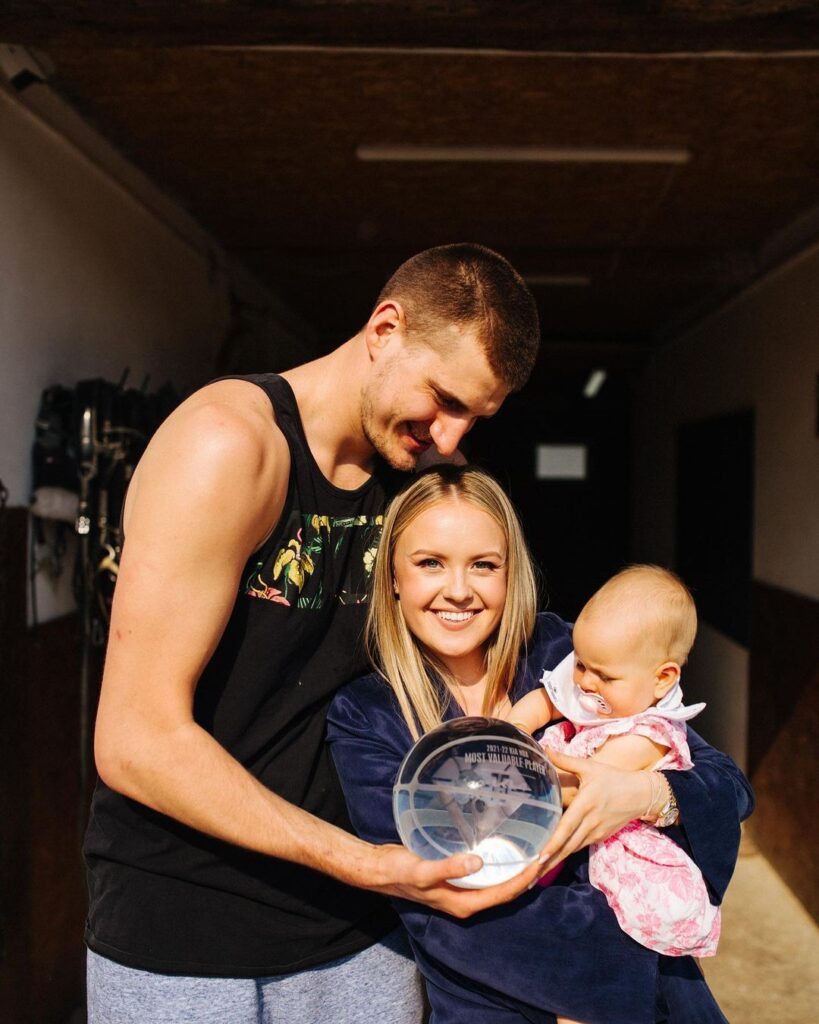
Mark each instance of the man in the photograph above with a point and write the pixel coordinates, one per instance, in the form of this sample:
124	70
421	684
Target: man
219	847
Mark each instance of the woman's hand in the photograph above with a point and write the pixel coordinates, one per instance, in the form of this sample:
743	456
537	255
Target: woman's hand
606	799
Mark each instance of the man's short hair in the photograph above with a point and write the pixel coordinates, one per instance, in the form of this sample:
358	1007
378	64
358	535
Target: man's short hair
467	284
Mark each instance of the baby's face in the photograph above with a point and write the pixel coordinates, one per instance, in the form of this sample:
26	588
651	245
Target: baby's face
616	662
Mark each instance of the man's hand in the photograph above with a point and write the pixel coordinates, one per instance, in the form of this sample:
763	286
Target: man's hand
607	799
425	881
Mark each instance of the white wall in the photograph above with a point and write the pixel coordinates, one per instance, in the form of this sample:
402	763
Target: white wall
90	282
717	673
760	351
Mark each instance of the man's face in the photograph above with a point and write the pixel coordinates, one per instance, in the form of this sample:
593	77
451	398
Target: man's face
419	396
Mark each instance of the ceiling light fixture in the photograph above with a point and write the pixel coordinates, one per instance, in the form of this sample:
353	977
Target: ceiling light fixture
386	153
597	379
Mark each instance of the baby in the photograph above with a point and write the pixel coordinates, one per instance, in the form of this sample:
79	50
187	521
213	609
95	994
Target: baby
620	696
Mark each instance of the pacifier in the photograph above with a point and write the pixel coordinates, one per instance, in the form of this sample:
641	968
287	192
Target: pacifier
593	703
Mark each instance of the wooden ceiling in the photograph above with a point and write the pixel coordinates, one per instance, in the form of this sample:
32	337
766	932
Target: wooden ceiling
250	114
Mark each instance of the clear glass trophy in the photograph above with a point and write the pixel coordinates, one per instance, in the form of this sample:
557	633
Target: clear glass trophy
477	785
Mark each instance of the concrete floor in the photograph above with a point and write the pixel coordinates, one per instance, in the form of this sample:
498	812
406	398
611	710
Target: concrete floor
767	967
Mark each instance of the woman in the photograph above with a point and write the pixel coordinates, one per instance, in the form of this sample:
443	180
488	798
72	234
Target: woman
453	630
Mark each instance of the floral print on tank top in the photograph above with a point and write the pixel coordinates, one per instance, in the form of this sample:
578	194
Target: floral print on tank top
291	575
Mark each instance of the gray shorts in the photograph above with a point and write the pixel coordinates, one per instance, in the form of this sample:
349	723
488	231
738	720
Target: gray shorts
380	984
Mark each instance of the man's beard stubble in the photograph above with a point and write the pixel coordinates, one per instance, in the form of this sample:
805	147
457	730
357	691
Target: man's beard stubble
391	453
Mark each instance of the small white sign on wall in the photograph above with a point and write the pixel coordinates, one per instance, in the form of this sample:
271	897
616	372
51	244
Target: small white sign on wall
560	462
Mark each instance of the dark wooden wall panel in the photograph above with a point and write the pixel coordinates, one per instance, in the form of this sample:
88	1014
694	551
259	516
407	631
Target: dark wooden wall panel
14	808
579	26
783	735
57	902
42	889
714	518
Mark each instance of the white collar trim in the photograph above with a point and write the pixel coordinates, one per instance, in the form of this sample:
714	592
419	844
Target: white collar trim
564	695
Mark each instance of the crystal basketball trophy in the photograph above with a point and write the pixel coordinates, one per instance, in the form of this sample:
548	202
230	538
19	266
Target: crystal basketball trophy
477	785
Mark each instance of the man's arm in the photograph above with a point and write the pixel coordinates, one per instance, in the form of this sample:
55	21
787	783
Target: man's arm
207	493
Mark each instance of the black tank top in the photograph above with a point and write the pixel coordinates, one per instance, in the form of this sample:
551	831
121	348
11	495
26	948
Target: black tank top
166	898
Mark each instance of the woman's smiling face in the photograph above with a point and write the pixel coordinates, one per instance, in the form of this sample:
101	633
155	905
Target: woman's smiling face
450	568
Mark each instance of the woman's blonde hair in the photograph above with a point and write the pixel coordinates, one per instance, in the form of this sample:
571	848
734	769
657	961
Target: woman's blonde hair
412	671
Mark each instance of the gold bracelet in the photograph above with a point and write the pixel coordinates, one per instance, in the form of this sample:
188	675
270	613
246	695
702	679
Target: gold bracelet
647	814
669	813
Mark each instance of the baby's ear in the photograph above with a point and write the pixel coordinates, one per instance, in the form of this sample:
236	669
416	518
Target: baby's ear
668	674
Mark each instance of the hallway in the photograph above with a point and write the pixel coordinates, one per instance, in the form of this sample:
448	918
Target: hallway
201	189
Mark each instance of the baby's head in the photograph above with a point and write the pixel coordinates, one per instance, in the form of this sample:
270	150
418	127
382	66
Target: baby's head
632	638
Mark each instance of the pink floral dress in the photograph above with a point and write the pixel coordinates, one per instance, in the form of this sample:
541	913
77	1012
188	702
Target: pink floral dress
656	891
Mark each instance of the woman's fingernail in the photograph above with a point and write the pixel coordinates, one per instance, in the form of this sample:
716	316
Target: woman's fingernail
473	864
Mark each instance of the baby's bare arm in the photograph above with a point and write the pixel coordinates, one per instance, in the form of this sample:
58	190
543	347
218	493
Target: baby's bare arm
633	753
531	712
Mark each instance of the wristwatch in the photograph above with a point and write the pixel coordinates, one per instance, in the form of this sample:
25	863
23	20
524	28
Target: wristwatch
669	812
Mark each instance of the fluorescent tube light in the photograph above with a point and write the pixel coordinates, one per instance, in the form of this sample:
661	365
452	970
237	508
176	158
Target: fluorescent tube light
596	380
524	154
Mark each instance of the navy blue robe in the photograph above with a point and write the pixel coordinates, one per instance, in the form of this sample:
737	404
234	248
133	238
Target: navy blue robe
556	950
